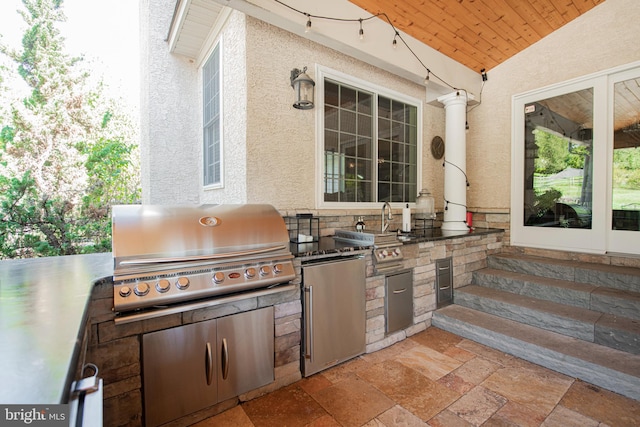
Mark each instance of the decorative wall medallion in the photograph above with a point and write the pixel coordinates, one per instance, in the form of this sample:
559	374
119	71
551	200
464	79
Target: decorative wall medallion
437	147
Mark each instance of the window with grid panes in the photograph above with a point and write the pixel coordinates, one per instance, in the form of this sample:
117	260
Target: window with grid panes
212	152
370	146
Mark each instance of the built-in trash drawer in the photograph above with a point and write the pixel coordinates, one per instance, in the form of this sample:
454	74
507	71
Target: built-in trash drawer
444	282
399	301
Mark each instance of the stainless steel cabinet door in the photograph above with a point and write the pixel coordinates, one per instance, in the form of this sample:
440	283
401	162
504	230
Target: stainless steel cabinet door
334	313
399	301
178	369
245	352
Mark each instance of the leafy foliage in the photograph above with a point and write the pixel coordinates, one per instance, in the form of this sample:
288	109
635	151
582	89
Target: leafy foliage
66	150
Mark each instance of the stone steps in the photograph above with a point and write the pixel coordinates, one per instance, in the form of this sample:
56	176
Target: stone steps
555	313
602	299
601	328
603	366
603	275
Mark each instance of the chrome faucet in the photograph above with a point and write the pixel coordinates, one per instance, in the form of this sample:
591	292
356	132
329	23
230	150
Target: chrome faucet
386	221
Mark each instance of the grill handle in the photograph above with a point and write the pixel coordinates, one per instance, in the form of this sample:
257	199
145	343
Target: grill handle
225	359
209	364
144	261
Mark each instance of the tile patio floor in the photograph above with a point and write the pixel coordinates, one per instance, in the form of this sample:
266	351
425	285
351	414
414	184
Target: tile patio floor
435	379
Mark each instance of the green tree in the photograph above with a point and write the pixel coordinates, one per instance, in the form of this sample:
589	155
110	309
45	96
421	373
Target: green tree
66	149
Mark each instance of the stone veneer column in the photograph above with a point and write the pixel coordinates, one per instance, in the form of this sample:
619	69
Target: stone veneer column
455	182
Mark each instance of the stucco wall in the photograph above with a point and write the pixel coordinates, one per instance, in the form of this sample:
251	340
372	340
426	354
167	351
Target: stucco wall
234	107
281	141
170	119
603	38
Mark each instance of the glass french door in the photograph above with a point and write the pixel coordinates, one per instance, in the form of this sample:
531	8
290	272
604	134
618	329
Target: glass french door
559	187
576	165
624	162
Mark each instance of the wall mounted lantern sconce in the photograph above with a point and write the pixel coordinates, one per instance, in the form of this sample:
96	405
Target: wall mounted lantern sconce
303	86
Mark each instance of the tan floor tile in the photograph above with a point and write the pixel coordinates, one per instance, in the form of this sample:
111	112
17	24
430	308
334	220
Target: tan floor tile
488	353
478	405
288	406
353	402
563	417
539	390
459	354
398	416
412	390
477	370
430	363
314	383
389	352
515	414
602	405
324	421
447	418
345	370
232	417
456	383
436	339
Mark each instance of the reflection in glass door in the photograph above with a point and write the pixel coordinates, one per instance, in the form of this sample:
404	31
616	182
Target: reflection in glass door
625	167
558	165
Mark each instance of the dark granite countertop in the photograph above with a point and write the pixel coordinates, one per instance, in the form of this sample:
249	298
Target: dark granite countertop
328	245
43	304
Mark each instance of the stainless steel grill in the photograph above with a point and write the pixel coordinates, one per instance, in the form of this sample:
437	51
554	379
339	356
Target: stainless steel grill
171	254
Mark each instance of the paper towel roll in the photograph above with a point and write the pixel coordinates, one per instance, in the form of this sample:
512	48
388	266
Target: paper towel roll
406	218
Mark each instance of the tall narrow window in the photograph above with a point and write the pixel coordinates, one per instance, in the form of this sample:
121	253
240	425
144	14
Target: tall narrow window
370	145
212	152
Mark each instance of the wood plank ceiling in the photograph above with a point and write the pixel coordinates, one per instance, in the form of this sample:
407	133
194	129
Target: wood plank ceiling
479	33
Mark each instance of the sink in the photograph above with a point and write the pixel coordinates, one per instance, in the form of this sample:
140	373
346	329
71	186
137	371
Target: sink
365	239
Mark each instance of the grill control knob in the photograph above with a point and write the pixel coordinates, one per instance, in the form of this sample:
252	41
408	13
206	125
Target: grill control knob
250	273
141	289
396	252
125	291
278	268
182	283
218	277
383	253
163	285
264	270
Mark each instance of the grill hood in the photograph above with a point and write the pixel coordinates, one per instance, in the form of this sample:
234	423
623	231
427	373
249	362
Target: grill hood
148	238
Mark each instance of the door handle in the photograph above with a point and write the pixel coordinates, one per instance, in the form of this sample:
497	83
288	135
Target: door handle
209	364
309	334
399	291
225	359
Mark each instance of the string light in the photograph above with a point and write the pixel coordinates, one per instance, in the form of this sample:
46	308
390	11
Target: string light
308	27
381	15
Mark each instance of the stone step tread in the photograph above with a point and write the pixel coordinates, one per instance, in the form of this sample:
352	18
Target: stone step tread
607	268
547	281
617	293
607	357
544	306
619	323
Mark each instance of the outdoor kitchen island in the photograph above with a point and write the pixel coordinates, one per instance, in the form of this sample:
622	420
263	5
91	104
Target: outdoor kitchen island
116	348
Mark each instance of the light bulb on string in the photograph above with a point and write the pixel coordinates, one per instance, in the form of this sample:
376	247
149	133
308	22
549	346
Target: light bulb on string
361	32
426	79
395	42
308	26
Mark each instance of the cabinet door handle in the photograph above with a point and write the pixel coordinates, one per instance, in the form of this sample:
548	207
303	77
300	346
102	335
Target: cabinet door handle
399	291
225	359
443	268
309	347
209	364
